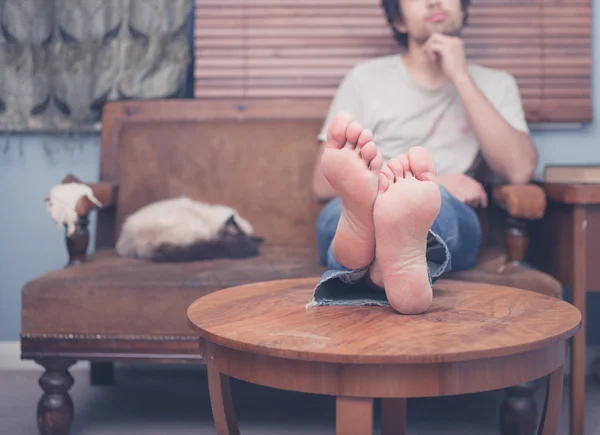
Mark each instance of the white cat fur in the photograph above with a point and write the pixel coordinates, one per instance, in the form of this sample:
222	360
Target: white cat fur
179	221
62	202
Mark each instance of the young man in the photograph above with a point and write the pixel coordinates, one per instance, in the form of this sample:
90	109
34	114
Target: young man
403	136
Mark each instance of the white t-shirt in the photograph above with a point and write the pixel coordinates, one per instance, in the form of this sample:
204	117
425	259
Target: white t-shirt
382	96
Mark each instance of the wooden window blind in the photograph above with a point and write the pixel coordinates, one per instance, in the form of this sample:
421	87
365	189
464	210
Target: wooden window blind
301	49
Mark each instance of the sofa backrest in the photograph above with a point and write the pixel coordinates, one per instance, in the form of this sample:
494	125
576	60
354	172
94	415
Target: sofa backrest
244	157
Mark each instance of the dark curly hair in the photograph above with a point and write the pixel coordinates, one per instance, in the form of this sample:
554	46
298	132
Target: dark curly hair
393	14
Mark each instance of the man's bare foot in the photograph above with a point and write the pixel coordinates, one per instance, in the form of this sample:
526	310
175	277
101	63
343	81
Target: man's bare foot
351	164
406	207
375	273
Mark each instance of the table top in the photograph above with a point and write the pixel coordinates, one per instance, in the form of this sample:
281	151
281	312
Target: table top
466	321
572	193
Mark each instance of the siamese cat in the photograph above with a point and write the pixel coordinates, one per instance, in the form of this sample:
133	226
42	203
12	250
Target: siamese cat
181	230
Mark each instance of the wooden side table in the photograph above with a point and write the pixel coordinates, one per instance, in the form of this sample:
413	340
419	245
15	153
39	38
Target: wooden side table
569	240
475	337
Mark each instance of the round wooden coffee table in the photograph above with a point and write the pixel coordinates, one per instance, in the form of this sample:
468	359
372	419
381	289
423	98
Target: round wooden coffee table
474	338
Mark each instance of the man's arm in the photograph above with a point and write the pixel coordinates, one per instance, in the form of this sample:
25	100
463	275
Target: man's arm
465	189
508	152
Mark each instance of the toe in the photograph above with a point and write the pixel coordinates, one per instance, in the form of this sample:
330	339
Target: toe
396	167
365	137
377	163
421	163
368	152
388	173
352	134
405	165
336	133
384	183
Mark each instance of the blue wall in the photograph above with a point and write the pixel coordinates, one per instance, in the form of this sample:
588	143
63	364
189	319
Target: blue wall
30	242
30	164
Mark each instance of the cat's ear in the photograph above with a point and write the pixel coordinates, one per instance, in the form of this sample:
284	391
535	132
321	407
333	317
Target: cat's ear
231	226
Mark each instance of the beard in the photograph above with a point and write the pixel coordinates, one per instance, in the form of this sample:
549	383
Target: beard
447	29
452	31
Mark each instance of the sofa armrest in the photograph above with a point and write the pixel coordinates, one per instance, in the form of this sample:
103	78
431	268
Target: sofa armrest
106	193
523	203
526	201
100	195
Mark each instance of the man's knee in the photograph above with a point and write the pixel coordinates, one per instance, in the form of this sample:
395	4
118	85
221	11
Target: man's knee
458	225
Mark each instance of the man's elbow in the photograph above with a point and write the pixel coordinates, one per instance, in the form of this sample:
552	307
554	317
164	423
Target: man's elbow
521	176
524	171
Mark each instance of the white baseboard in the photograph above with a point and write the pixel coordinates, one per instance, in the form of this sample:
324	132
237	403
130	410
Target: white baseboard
10	359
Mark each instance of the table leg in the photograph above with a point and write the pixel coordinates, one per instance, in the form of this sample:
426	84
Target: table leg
354	416
578	287
221	403
393	416
554	390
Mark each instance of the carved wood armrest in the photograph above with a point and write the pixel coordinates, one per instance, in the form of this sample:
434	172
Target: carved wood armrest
526	201
106	193
523	203
78	242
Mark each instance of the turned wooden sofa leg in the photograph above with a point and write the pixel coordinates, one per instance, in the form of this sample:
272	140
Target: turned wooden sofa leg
102	373
517	240
78	242
55	408
518	414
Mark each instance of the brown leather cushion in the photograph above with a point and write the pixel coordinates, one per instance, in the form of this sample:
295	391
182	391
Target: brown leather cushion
114	295
123	296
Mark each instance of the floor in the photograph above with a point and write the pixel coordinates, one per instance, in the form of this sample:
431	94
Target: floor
173	400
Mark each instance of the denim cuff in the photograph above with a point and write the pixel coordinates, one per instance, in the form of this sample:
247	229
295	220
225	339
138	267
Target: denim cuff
438	256
342	286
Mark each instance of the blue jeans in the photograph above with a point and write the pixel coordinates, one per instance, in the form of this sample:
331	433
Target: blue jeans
453	243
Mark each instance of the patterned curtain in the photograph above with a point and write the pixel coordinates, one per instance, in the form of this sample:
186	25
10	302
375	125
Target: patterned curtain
61	60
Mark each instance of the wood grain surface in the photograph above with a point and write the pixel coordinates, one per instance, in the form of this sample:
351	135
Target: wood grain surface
566	249
466	321
572	193
387	380
552	403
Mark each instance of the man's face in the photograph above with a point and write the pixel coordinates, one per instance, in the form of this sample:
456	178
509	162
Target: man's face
422	18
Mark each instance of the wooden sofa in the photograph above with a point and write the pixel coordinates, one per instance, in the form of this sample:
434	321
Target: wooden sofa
257	157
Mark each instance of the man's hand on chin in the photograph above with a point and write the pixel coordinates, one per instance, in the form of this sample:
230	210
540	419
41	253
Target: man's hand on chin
509	152
449	51
466	189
